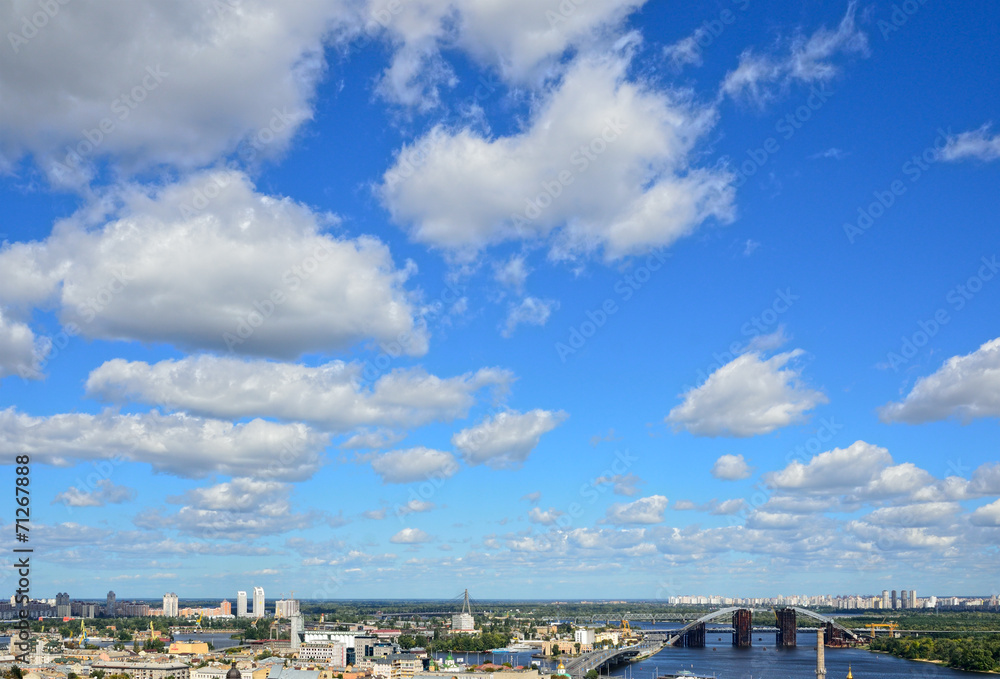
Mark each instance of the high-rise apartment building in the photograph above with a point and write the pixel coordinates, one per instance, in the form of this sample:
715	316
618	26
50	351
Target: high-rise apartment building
885	598
285	608
110	608
913	598
241	604
258	602
893	600
63	609
226	607
170	606
904	600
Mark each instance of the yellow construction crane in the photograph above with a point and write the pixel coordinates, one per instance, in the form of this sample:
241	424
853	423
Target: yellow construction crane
83	634
627	631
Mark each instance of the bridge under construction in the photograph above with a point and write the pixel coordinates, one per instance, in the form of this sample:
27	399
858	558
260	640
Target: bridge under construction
692	635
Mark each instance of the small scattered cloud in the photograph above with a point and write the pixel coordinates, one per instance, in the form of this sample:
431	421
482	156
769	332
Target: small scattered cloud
759	78
529	311
976	144
545	517
621	484
414	464
731	468
410	536
647	510
834	153
104	493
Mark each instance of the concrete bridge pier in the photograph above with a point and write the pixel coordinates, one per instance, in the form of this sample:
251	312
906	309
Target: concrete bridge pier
694	637
787	627
742	628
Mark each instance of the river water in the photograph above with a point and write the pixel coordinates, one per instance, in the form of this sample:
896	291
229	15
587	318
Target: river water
763	660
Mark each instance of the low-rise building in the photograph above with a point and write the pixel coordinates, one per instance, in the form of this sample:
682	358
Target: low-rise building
145	670
333	654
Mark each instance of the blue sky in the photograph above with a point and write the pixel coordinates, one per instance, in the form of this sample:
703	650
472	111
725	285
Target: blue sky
391	298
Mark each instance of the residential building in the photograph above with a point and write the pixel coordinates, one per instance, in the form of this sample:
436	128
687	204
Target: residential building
335	654
170	606
225	607
404	665
285	608
110	607
63	608
241	604
149	670
258	602
585	636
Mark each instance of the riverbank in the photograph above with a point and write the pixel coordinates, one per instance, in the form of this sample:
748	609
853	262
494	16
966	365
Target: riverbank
970	654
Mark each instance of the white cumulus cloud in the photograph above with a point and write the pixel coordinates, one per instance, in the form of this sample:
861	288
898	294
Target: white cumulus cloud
748	396
731	468
329	396
185	446
505	440
414	464
647	510
965	387
145	83
248	273
410	536
603	162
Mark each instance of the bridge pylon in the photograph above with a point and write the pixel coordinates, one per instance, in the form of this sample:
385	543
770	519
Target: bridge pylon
742	628
787	623
694	637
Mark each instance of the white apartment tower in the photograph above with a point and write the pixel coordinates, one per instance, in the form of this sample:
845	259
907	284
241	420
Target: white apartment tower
286	608
258	602
241	604
170	605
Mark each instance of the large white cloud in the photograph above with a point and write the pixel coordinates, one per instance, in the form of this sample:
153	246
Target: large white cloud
521	40
987	515
329	396
748	396
235	510
505	440
835	470
185	446
965	387
180	83
604	162
240	271
916	515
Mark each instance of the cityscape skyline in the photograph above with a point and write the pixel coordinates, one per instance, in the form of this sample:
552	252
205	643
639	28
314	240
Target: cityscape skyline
552	299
